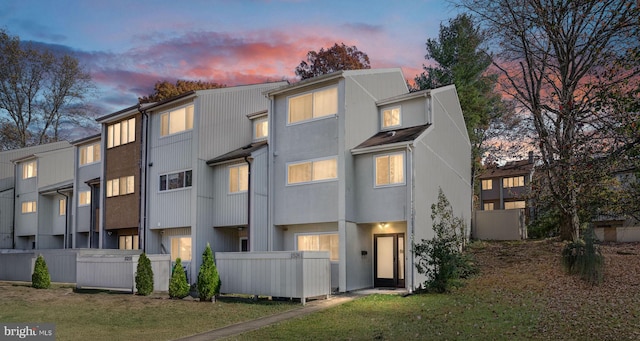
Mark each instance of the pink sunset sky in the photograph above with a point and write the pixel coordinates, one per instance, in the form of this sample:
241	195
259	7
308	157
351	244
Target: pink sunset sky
128	45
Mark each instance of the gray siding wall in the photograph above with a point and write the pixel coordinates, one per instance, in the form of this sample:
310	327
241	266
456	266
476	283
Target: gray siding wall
413	112
82	215
260	201
231	208
6	218
360	267
55	167
26	224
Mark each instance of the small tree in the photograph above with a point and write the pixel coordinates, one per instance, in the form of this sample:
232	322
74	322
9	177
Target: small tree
178	286
208	279
441	258
144	276
584	258
40	278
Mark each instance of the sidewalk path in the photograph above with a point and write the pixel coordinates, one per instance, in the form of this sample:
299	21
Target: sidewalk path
309	308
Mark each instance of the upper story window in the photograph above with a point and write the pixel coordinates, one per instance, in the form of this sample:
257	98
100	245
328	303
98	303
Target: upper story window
62	207
516	181
312	171
487	184
260	128
90	153
122	132
175	180
84	198
238	178
29	169
120	186
389	169
313	105
391	117
176	121
28	207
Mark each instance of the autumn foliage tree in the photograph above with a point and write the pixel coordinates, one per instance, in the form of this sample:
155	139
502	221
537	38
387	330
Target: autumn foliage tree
164	89
570	64
335	58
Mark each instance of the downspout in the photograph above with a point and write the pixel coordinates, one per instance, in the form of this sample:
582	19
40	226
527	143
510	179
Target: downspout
66	217
248	160
142	231
413	215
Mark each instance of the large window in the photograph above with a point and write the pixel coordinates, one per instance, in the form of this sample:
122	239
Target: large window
175	180
311	171
121	133
28	206
510	205
84	198
389	169
516	181
29	169
181	247
320	242
238	178
62	207
487	184
260	128
128	242
176	121
120	186
313	105
90	153
391	118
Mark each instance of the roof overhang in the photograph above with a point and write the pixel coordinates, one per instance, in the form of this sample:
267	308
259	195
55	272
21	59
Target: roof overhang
65	186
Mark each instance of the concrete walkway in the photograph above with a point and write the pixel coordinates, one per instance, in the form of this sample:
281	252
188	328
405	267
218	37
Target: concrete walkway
309	308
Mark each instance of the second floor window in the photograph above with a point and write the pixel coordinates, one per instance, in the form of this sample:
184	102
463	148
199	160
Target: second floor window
260	128
389	169
312	171
313	105
89	153
121	133
29	169
516	181
28	207
176	121
175	180
487	184
84	198
391	118
238	178
120	186
62	207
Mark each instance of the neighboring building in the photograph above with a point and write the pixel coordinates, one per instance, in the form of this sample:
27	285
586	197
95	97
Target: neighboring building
86	189
43	193
355	165
7	186
506	187
622	226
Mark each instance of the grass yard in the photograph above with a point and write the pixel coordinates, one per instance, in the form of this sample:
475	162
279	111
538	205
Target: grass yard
521	294
116	316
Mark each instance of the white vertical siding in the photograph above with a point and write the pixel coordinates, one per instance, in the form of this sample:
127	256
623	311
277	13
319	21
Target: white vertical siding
55	167
260	201
230	208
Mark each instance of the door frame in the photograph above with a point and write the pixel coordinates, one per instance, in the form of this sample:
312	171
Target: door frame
395	282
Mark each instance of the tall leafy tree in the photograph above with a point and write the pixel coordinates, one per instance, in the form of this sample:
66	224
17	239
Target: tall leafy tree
570	64
335	58
164	89
39	93
461	59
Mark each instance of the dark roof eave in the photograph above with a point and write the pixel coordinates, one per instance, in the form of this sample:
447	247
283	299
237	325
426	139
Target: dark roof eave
239	153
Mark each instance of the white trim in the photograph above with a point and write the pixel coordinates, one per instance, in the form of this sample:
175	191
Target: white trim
312	92
236	165
295	241
168	113
391	127
286	180
174	189
404	170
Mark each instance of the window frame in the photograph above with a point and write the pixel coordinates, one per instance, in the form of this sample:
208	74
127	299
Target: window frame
491	206
179	239
167	180
311	162
314	116
186	122
258	121
238	167
524	204
62	207
87	195
28	207
318	234
489	182
510	182
382	118
83	150
30	169
121	186
112	133
389	184
134	238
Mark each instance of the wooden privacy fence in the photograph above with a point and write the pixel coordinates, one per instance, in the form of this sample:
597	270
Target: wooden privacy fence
499	225
290	274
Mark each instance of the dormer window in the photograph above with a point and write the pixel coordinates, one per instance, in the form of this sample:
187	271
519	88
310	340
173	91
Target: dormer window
391	118
29	169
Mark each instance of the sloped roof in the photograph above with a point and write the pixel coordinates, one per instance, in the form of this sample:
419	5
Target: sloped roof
393	136
238	153
521	167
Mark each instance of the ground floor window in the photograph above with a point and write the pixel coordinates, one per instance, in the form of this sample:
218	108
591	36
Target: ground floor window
319	242
488	206
509	205
181	247
128	242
